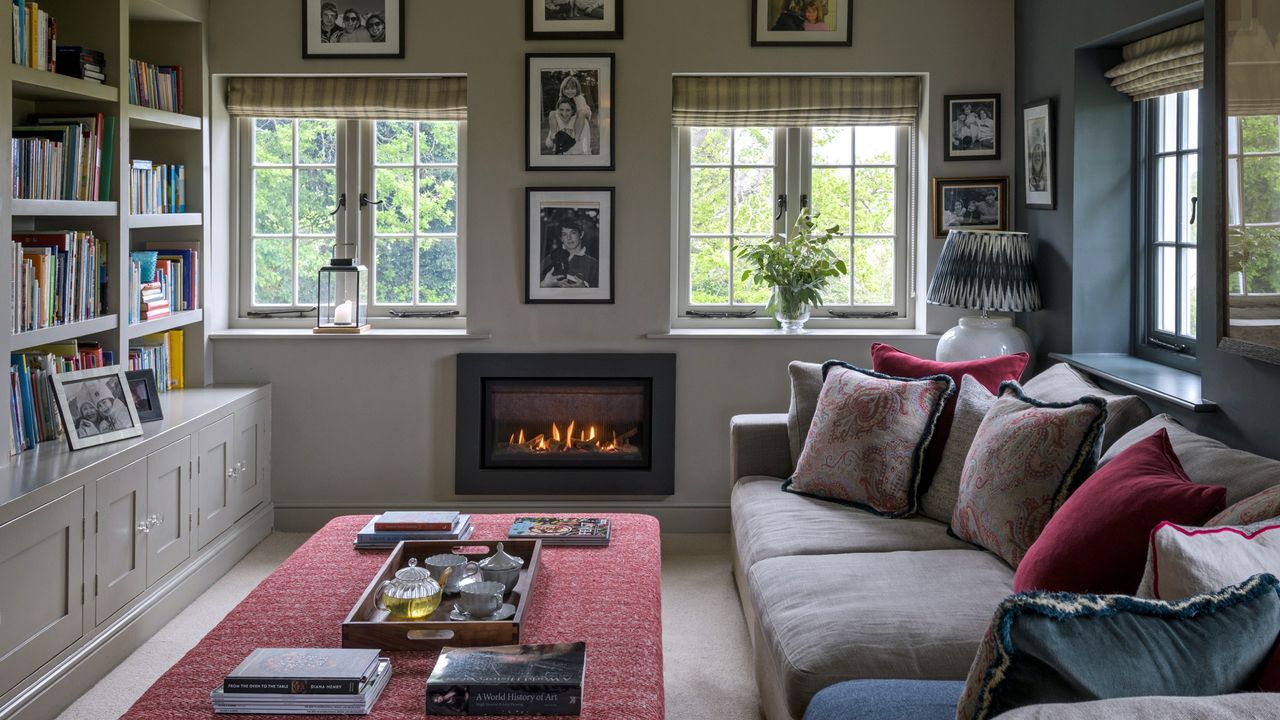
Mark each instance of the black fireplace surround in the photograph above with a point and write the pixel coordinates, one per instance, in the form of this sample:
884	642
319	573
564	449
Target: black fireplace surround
565	424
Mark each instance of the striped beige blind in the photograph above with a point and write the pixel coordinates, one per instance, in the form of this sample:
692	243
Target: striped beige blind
1170	62
794	101
436	98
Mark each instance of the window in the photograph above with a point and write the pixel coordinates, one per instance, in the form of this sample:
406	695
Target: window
1253	205
740	186
1168	186
389	191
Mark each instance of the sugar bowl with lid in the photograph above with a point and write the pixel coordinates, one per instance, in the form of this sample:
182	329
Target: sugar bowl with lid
501	567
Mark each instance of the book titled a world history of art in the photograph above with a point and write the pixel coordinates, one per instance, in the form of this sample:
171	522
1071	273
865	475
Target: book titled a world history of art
508	680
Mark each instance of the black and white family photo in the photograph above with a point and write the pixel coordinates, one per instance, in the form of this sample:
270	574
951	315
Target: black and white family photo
570	245
557	10
360	21
1037	131
568	97
801	22
970	203
95	406
573	19
353	28
973	127
570	110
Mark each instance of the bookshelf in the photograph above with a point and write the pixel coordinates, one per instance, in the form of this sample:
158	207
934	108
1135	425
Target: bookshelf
161	32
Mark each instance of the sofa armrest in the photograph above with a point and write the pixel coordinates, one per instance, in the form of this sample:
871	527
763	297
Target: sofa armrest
758	445
1239	706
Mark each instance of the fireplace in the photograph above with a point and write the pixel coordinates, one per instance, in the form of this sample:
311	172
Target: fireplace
534	424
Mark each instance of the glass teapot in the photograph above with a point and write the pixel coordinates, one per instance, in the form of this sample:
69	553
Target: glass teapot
413	594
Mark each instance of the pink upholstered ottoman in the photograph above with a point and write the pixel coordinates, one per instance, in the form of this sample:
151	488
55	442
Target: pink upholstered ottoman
609	597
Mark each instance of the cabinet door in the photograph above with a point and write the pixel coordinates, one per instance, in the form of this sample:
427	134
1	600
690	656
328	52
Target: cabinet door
121	526
168	508
251	452
214	478
41	586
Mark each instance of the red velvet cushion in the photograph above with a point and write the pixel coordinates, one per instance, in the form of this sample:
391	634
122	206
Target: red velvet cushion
990	372
1269	676
1097	541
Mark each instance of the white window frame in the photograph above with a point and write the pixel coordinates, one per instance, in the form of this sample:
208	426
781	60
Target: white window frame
354	170
792	176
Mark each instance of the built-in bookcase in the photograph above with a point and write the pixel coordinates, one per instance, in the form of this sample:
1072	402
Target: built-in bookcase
162	32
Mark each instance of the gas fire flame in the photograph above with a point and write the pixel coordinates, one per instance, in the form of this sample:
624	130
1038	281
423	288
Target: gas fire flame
588	438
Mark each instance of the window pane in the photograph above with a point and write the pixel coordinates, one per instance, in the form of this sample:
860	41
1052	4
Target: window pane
1167	123
833	196
1167	200
753	146
709	271
1166	289
877	145
317	142
272	141
1191	119
1190	189
438	200
438	142
393	142
272	271
873	265
313	254
873	201
1260	134
1233	136
394	187
832	145
709	146
273	201
317	197
438	271
393	271
1261	189
837	291
709	200
1187	303
748	292
753	200
1233	192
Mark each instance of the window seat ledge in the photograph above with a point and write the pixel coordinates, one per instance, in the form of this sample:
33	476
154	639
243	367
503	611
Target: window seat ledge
773	334
1171	385
372	334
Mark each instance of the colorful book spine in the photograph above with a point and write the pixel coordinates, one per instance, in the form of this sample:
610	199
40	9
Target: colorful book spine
55	278
157	188
161	352
35	36
155	86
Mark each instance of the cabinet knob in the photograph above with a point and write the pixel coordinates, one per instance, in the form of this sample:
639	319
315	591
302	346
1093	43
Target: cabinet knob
143	528
231	472
154	520
239	467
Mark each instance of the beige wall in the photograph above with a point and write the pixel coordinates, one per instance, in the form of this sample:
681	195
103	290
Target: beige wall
367	424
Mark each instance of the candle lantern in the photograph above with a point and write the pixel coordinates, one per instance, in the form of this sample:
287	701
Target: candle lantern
341	306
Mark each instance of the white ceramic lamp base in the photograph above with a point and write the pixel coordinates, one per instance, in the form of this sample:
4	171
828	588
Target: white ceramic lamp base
982	337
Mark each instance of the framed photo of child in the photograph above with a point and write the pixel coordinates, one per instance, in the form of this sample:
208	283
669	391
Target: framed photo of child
96	406
801	22
973	127
569	111
1038	155
569	249
573	20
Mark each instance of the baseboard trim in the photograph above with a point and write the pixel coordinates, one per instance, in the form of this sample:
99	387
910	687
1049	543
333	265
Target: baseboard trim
60	681
674	518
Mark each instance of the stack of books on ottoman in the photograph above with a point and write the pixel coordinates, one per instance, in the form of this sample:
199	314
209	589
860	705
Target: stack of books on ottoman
304	681
389	528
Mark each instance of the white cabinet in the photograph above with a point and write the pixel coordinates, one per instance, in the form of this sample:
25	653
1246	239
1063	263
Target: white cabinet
42	593
215	478
169	512
249	484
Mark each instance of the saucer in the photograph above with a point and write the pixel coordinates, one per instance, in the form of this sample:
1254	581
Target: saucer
507	610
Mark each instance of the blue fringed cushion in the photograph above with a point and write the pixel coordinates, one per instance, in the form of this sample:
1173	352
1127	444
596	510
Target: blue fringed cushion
1065	647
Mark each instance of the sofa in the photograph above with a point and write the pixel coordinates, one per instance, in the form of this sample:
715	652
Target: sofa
832	593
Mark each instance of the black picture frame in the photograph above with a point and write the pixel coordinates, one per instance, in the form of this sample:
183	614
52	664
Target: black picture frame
315	44
1039	185
591	209
975	187
968	140
766	17
95	406
597	68
610	28
148	401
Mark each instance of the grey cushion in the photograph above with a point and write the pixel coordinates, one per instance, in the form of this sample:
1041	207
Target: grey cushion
972	402
1207	461
768	522
886	700
806	385
1240	706
1063	383
824	619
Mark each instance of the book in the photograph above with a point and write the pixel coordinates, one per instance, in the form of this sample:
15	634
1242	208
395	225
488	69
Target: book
370	539
562	531
304	703
508	680
415	520
317	671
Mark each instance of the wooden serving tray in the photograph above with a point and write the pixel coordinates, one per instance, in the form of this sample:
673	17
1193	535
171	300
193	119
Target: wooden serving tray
368	627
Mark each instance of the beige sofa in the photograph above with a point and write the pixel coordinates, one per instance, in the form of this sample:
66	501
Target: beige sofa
832	593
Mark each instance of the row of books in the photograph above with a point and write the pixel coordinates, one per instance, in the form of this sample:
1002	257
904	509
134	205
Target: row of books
161	352
61	157
81	62
57	277
33	409
164	283
157	188
304	681
389	528
35	36
155	86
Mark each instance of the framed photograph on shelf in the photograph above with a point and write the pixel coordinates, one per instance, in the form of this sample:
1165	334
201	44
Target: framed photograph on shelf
573	20
569	111
973	203
96	406
1038	155
142	386
801	22
352	28
973	127
569	245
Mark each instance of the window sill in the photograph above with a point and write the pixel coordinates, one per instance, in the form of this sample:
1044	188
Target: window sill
1179	387
775	334
373	334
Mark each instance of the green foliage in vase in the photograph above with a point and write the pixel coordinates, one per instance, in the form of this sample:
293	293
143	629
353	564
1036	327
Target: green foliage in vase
802	263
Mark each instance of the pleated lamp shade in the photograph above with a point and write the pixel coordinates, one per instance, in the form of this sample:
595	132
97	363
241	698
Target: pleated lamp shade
986	270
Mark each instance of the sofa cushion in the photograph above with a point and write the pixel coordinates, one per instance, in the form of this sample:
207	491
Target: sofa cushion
823	619
1238	706
972	402
1252	509
1207	461
806	384
867	442
768	522
887	700
1184	561
1063	383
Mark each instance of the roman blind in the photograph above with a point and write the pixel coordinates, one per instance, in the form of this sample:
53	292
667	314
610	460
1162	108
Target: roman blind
385	98
1253	71
794	101
1170	62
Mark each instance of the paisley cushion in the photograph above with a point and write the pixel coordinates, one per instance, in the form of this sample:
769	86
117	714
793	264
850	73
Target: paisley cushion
1252	509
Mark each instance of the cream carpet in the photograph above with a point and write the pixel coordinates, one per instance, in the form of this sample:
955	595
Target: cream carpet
707	656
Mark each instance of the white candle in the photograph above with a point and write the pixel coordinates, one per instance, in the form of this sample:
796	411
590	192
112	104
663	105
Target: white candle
342	314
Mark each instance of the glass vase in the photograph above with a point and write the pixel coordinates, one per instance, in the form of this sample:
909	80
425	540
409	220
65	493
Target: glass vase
789	309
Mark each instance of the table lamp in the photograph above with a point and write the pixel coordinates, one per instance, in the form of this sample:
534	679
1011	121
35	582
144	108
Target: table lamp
985	270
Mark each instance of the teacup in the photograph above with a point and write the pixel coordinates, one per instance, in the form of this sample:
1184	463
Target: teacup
481	599
461	568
